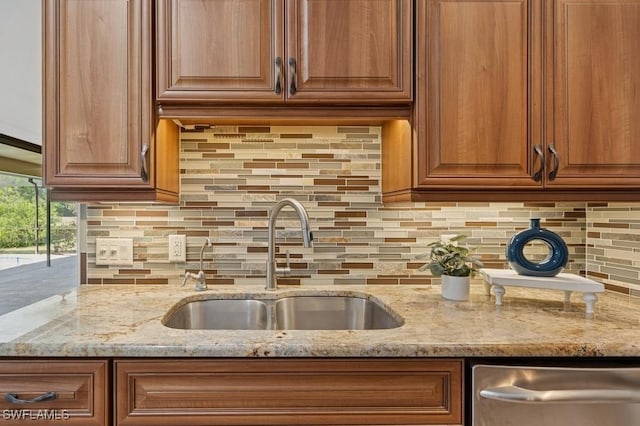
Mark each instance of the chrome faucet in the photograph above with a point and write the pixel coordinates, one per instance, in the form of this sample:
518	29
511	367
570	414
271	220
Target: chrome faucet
307	237
199	278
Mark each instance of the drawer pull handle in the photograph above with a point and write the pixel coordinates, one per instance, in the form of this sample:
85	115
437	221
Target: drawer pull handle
13	398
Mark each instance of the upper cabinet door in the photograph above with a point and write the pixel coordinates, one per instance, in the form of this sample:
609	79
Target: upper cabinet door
232	51
357	51
478	107
220	50
595	76
98	113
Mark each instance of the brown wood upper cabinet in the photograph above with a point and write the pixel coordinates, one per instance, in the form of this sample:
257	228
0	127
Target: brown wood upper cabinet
257	51
102	142
527	95
473	94
593	114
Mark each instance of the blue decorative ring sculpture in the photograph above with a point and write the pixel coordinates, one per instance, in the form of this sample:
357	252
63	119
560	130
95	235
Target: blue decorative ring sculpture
551	265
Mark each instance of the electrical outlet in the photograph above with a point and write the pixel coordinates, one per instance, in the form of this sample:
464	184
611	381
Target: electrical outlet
177	248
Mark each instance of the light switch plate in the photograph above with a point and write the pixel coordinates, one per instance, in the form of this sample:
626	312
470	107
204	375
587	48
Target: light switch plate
177	248
114	251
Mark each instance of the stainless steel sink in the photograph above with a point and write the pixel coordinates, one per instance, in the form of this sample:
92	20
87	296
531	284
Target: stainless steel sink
325	312
332	313
219	314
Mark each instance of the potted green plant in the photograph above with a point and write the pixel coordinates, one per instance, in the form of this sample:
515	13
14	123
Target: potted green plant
453	262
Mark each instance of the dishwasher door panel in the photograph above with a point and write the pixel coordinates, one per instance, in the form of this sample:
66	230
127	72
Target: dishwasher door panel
552	396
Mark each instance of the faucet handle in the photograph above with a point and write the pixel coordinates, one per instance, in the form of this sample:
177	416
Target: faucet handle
187	275
199	278
287	269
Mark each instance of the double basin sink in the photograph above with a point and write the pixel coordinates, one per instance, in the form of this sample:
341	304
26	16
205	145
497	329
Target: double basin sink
297	312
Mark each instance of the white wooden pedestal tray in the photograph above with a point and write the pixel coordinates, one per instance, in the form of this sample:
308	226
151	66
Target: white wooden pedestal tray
499	278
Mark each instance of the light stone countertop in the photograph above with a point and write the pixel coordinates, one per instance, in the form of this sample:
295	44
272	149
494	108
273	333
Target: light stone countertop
125	321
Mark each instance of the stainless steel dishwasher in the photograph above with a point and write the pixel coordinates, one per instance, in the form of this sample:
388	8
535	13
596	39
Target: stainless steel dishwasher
554	396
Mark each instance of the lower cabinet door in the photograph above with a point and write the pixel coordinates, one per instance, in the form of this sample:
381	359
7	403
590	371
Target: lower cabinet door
69	392
288	391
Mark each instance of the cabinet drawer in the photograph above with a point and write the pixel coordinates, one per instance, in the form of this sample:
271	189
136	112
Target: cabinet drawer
288	391
80	392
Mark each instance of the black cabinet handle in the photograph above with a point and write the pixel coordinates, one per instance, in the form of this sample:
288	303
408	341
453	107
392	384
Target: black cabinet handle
293	76
556	162
278	82
13	398
144	173
537	176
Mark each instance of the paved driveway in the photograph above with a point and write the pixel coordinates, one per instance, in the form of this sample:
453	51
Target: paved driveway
26	284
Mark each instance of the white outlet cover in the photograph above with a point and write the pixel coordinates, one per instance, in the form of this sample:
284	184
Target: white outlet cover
177	248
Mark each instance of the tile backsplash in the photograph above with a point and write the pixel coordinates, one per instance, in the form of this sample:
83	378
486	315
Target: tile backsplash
232	175
613	245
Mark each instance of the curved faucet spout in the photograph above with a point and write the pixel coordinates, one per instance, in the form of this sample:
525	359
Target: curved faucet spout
307	237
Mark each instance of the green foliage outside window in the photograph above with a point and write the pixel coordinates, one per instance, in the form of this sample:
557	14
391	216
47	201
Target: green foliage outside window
17	217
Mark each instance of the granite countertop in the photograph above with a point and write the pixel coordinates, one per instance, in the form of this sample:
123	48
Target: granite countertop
125	321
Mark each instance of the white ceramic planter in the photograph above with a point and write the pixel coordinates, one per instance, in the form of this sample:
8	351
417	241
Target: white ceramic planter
455	288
